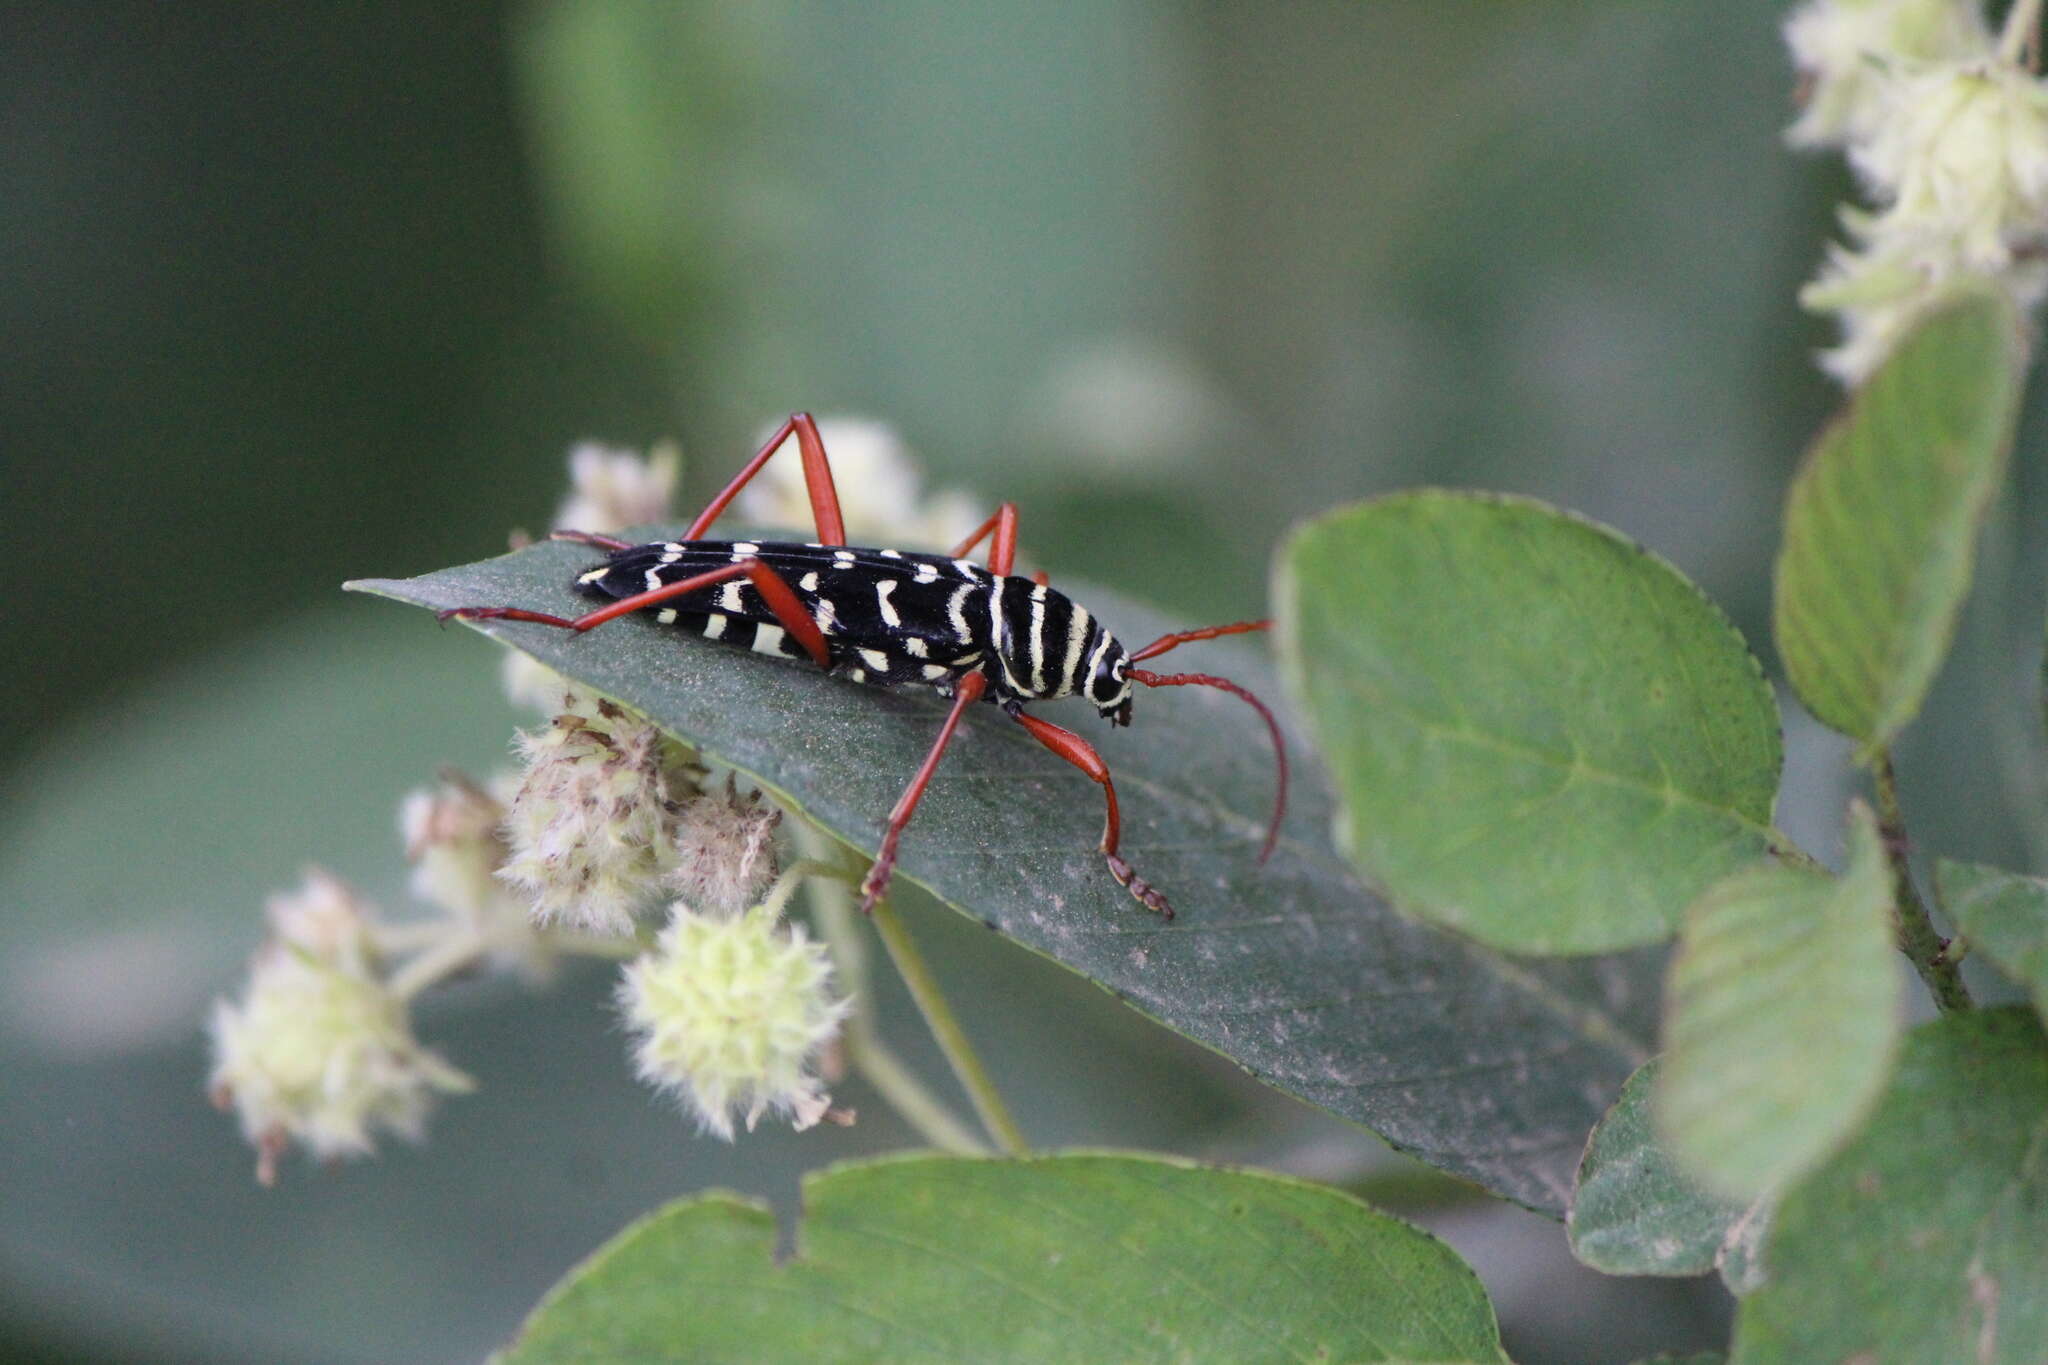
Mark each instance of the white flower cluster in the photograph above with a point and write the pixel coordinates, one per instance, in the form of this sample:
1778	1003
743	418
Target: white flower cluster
320	1048
881	492
1949	134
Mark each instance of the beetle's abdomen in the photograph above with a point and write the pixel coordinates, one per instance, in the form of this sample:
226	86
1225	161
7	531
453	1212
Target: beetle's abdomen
888	616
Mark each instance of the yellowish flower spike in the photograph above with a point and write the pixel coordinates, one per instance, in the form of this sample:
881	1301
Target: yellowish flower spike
732	1013
319	1051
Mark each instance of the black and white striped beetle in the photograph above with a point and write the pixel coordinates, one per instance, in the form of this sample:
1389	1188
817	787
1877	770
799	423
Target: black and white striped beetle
892	617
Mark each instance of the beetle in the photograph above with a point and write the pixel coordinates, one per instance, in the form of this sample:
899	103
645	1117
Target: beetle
972	632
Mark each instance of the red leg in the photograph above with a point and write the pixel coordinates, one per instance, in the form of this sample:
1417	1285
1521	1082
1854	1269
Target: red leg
1082	755
1002	555
817	480
1182	637
774	590
877	881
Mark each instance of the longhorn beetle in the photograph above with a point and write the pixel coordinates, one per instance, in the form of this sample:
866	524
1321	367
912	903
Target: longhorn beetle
971	632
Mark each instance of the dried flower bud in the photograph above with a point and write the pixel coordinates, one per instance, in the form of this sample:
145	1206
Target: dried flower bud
881	493
591	830
725	851
613	489
319	1051
731	1013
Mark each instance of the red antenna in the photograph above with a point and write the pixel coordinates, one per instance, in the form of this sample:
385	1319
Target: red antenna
1151	679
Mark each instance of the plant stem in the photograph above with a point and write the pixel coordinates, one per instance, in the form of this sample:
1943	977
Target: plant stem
1917	940
832	911
938	1016
454	954
2022	35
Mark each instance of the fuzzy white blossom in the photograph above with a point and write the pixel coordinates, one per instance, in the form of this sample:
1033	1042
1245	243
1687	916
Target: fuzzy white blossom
881	492
455	843
724	850
610	489
591	830
1964	158
731	1014
1848	53
613	489
1950	138
319	1050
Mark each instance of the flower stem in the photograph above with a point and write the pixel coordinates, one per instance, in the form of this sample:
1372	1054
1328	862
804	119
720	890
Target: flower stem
456	953
1924	948
832	911
2022	35
938	1016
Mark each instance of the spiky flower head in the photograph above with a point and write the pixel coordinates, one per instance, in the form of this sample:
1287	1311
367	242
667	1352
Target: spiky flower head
319	1050
591	829
731	1014
881	492
724	850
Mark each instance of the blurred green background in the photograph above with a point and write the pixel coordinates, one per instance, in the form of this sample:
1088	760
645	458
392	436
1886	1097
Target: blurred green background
296	294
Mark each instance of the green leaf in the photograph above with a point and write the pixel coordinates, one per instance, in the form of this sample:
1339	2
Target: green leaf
1543	735
2005	917
1926	1238
1782	1017
1637	1211
1881	522
1079	1257
1488	1068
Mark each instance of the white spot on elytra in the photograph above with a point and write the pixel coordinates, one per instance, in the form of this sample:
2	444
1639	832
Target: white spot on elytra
968	568
714	626
767	639
667	616
744	547
892	554
809	582
875	659
916	647
934	672
653	579
594	575
858	675
882	591
926	573
729	597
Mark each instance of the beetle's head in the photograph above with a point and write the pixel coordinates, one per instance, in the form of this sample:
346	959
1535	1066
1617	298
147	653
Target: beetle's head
1109	684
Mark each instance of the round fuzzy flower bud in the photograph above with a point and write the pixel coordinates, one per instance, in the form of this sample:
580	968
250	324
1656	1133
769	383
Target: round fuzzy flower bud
591	829
881	492
725	851
1849	51
319	1051
731	1013
613	489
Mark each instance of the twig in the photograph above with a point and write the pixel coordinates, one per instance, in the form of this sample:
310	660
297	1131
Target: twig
1924	948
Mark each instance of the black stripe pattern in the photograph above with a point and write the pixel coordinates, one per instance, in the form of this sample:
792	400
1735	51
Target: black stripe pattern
889	617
